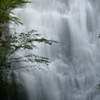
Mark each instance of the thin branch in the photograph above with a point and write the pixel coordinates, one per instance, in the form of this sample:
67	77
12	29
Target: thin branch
8	56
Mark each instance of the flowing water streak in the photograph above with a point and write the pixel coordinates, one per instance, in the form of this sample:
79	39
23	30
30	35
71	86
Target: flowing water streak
72	73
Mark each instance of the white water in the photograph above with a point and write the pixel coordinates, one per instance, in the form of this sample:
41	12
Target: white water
73	73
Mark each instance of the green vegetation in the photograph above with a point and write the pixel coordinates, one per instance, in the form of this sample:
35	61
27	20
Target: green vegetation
5	10
13	43
9	46
24	41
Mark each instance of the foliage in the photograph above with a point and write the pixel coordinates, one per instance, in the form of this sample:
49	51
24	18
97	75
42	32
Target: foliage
99	36
5	10
24	41
13	43
8	90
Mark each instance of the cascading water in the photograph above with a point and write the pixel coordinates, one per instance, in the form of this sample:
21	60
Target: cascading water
75	60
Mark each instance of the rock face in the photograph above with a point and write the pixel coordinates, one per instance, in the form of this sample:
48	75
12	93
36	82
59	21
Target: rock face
4	29
1	29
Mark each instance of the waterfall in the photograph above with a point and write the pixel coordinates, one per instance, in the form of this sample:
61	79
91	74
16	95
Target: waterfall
73	73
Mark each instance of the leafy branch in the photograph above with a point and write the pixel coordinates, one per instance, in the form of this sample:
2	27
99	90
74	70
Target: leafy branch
6	14
23	41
